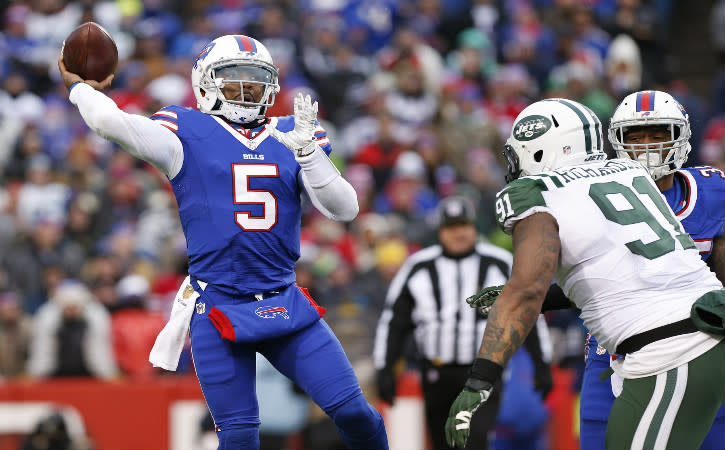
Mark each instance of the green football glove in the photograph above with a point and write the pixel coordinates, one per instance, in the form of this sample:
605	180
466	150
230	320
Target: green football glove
458	424
485	298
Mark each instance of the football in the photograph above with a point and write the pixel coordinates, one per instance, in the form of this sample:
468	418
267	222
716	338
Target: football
90	52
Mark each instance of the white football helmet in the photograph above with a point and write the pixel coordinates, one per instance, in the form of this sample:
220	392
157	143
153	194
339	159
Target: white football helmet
552	133
234	59
652	108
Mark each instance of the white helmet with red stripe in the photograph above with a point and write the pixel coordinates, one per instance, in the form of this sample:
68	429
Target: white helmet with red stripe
652	109
234	59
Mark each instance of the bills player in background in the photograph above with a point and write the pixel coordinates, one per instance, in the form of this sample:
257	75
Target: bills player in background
654	129
239	177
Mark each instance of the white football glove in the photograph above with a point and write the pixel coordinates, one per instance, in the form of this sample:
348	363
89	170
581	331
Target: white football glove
300	139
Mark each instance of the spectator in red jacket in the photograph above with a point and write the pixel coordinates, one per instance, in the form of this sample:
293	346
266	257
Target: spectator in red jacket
134	327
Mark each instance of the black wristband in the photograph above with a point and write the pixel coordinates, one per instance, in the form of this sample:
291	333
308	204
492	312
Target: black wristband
486	370
474	384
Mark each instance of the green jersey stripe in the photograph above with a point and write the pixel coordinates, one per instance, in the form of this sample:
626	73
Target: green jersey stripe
543	176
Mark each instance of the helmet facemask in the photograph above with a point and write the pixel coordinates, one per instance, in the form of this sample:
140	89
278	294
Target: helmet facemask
240	79
247	81
660	158
513	171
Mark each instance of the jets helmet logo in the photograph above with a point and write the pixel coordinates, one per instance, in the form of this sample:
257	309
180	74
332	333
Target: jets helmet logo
531	127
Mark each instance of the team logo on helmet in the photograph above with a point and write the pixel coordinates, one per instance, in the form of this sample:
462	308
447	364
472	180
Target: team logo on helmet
270	312
531	127
202	54
682	109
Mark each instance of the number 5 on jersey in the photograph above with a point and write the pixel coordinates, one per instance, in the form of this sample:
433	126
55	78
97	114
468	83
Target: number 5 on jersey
243	195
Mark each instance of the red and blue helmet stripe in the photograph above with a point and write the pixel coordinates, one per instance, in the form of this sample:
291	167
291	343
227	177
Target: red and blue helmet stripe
645	101
246	44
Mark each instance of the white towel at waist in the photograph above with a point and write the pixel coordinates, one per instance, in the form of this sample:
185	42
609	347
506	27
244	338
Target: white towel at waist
170	341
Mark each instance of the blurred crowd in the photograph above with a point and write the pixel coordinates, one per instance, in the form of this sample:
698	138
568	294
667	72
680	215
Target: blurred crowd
417	97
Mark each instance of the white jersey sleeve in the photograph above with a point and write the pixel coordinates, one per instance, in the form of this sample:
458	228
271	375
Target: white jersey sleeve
139	135
331	194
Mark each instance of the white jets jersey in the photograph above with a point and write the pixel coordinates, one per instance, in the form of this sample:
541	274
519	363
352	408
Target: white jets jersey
626	261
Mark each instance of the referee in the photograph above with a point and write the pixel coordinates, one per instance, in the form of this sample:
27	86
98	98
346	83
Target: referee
427	298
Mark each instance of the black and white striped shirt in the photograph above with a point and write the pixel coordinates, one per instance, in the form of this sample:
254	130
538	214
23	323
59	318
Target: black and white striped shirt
428	297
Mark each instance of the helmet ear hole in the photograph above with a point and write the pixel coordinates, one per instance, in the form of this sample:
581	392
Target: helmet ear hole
538	155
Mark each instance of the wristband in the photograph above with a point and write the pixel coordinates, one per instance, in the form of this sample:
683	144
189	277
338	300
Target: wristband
486	370
474	384
73	85
307	149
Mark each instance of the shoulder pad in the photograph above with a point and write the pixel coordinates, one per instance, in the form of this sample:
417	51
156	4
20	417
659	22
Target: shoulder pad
713	177
518	197
167	117
285	123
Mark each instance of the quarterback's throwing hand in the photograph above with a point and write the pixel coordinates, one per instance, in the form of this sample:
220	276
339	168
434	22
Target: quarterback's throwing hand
70	78
300	140
485	298
458	424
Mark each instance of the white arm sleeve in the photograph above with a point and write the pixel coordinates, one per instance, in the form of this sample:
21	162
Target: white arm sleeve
139	135
331	194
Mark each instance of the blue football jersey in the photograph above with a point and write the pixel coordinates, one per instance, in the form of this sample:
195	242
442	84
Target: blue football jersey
239	201
698	200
